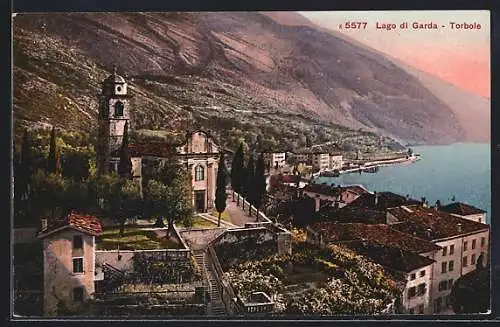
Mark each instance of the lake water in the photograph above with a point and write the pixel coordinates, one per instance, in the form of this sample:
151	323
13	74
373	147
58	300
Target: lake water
461	170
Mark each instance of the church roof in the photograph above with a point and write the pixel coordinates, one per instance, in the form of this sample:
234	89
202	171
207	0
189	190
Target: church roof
114	78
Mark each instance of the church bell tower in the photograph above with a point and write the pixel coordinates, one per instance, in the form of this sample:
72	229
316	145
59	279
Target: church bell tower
114	112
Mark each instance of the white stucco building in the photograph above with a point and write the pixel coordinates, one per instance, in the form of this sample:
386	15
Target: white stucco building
462	241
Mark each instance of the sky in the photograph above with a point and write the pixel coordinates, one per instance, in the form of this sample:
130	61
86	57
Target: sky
458	56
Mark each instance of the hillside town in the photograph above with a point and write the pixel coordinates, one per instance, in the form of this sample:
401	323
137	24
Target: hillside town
248	233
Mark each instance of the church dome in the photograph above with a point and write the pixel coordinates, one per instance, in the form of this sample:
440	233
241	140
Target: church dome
114	78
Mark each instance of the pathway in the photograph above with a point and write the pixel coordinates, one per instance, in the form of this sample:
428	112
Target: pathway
238	216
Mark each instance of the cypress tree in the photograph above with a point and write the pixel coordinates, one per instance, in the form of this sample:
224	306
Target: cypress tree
250	175
220	192
259	184
52	159
125	163
237	167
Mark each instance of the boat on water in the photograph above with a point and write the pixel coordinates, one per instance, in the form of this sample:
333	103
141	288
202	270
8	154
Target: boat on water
330	173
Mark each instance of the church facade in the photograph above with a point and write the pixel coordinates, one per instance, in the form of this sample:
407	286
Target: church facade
199	153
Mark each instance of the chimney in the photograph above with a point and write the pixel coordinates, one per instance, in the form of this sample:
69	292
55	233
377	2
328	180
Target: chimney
44	224
459	227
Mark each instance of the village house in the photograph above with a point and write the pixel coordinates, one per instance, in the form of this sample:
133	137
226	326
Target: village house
274	159
321	160
465	211
338	195
199	153
463	243
407	256
336	161
68	261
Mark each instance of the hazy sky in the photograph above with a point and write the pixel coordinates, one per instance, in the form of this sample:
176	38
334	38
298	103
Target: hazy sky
459	56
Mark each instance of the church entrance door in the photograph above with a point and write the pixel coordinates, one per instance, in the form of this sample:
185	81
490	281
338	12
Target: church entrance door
199	201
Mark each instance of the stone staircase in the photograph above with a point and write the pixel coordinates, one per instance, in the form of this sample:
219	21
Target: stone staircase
216	306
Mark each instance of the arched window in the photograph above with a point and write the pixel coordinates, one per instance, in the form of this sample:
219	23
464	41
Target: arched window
118	109
199	173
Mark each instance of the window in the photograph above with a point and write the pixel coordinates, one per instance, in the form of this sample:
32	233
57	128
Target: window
452	249
421	289
412	310
451	264
473	259
77	265
422	273
450	283
77	242
464	261
412	276
443	285
421	309
479	220
199	172
465	246
445	249
473	244
483	241
411	292
119	109
443	267
78	294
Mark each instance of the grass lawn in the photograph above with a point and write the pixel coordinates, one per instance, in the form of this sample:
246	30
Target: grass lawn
198	222
225	216
135	238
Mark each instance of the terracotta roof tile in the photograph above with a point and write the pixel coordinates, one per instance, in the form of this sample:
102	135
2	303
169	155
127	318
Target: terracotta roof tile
385	200
431	224
376	233
461	209
85	223
390	257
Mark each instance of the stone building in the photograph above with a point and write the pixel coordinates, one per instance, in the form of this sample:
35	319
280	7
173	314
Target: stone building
199	153
68	262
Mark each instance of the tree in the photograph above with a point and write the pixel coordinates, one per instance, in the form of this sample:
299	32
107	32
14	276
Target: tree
22	175
52	160
471	292
125	163
49	194
249	187
169	199
131	202
259	184
220	192
237	167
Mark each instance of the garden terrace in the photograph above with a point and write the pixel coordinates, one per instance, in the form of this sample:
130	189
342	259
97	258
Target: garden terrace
137	238
332	281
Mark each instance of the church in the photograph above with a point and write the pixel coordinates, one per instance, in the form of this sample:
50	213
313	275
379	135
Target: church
199	153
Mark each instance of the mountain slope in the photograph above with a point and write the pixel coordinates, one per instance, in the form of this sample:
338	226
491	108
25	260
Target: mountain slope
225	66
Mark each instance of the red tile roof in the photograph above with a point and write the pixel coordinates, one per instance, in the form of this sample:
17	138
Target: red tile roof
84	223
390	257
461	209
385	200
431	224
376	233
153	149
